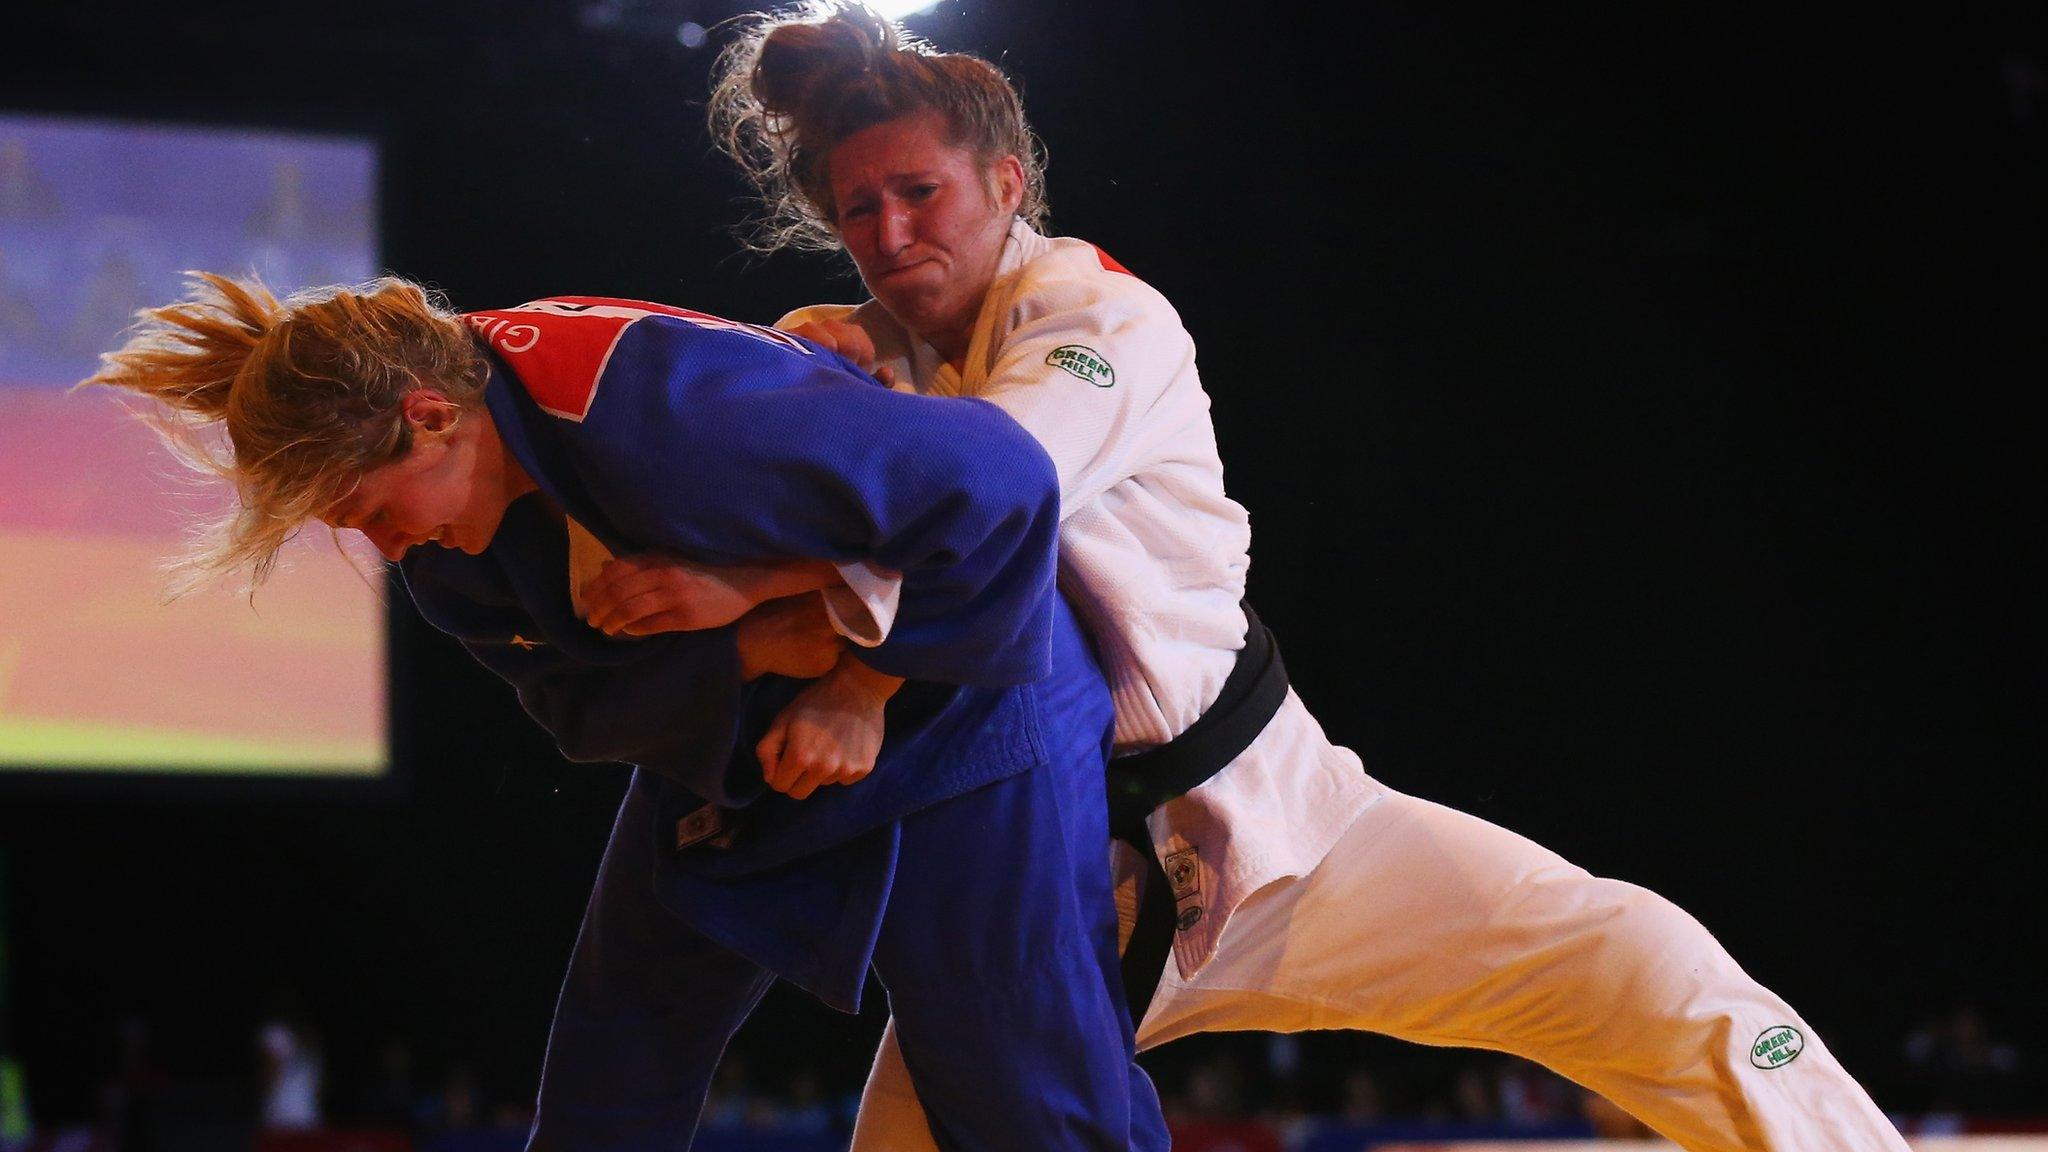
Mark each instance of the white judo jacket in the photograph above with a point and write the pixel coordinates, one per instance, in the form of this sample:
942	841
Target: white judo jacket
1096	365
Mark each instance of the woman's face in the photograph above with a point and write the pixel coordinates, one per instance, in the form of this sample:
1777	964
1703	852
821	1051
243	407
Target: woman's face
444	490
923	220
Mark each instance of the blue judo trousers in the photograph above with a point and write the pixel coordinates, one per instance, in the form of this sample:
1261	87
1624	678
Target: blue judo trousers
967	871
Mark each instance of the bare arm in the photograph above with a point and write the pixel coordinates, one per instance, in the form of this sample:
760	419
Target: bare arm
649	593
789	637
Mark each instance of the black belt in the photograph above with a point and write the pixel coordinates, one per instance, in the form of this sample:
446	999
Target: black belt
1251	695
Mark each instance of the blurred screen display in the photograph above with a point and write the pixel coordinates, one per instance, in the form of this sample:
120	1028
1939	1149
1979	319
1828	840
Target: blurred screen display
97	671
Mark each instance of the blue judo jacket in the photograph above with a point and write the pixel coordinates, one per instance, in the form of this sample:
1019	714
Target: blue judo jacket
661	429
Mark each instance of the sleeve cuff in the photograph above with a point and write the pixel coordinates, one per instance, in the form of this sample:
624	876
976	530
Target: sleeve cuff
863	609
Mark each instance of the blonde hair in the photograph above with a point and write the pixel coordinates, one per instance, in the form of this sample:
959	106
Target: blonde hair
306	390
800	81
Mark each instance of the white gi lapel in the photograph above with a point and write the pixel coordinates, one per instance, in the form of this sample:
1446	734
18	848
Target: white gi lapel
991	324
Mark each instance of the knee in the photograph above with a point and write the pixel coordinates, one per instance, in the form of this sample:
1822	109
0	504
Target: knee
1650	963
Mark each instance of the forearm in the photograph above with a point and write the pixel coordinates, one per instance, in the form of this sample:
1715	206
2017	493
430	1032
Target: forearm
790	637
777	579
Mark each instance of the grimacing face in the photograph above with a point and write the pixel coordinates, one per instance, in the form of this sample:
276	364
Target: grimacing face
442	491
923	219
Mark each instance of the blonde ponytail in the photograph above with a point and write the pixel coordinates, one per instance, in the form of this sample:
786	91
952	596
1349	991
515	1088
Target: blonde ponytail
291	401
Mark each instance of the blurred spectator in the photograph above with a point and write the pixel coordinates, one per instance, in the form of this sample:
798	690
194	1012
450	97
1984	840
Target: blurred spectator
1361	1101
1532	1094
292	1072
506	1116
1215	1091
395	1100
1474	1096
807	1110
460	1105
1282	1102
16	1128
133	1095
1610	1122
1958	1067
731	1102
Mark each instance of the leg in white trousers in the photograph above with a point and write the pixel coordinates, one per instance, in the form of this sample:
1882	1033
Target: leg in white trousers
1430	925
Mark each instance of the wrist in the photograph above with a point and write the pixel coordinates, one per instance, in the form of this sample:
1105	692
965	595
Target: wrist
856	678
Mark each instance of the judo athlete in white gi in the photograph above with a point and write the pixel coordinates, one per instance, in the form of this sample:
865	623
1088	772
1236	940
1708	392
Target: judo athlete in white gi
965	872
1306	894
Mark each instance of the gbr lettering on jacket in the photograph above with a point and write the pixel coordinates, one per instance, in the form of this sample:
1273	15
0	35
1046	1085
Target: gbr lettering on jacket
559	346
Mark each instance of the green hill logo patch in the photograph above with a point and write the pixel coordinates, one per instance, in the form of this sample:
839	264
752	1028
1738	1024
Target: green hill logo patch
1085	362
1777	1046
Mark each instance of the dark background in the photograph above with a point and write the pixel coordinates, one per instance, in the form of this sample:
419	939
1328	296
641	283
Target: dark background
1631	403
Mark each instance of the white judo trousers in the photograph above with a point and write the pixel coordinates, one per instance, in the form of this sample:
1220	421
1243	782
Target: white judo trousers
1434	926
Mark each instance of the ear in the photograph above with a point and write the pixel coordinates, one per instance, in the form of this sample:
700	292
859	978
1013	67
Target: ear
1009	183
430	410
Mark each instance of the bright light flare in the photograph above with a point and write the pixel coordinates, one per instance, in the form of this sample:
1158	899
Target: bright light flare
898	9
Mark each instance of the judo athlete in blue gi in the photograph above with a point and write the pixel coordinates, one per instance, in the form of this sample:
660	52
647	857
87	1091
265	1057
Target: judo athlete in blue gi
966	870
